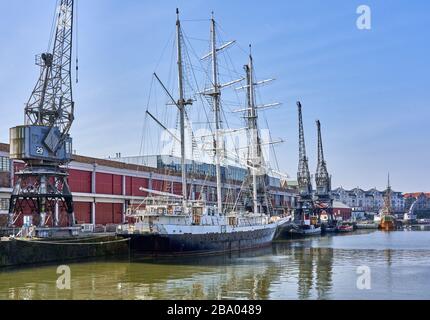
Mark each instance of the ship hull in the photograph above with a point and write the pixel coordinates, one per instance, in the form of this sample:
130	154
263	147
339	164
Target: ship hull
306	232
387	226
209	243
388	223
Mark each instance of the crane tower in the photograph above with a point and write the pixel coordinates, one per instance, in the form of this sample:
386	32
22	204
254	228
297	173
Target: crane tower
43	143
323	198
305	203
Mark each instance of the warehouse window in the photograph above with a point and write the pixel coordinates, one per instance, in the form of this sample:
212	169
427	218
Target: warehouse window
4	164
4	204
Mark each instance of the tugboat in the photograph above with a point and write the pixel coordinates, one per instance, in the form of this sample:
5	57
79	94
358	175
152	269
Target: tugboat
166	224
308	227
306	230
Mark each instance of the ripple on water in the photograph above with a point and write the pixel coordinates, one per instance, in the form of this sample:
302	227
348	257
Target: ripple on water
317	268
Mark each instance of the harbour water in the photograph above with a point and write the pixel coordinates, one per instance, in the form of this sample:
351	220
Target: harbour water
318	268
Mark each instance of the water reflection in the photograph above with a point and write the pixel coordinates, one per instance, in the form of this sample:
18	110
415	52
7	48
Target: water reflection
321	268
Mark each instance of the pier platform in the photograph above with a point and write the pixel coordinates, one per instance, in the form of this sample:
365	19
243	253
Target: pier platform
21	251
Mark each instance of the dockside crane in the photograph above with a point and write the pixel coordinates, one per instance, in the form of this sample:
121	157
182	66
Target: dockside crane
305	205
323	197
41	188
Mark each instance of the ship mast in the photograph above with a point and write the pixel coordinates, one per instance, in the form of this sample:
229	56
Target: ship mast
252	127
216	108
181	104
387	210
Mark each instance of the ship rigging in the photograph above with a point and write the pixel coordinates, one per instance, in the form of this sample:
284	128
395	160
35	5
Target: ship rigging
163	226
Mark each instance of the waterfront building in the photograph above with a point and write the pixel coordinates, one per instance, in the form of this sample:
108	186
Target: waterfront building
422	199
369	201
341	211
103	189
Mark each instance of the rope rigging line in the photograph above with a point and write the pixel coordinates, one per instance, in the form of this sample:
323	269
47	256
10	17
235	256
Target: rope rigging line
145	119
53	26
164	50
272	147
230	69
206	114
77	42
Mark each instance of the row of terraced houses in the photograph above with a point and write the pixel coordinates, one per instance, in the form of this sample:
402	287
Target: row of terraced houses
371	200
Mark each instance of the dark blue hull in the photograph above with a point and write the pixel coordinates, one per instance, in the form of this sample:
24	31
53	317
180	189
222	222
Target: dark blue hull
156	244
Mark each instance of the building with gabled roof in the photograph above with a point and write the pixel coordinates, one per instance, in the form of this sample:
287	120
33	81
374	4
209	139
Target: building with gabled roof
371	200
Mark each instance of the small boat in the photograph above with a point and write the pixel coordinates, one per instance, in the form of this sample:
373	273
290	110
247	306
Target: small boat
367	225
329	227
306	230
345	228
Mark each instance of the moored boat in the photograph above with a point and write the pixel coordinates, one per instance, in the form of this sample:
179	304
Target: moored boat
343	228
309	230
388	223
307	227
175	224
367	225
329	227
164	230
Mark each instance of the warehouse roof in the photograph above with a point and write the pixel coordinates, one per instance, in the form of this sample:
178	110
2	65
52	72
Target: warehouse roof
340	205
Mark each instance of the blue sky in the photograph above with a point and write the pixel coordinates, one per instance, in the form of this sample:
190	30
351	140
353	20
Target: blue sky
369	88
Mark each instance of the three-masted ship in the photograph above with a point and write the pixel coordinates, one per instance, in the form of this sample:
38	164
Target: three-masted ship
172	224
